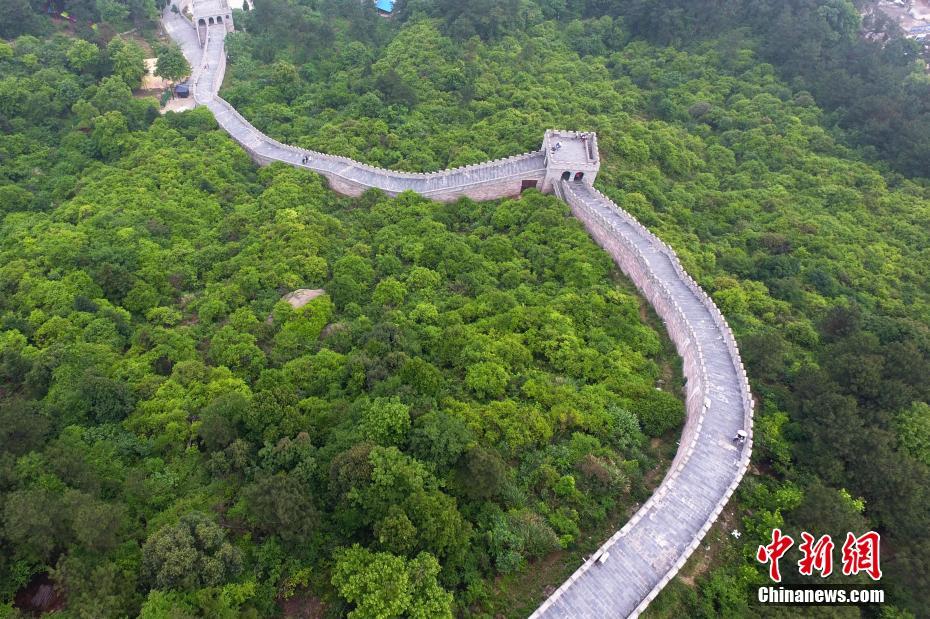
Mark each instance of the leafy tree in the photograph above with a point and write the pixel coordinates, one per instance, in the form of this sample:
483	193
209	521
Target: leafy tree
18	18
96	589
127	57
913	427
300	329
487	379
384	585
83	55
171	64
282	504
191	554
482	474
35	522
659	412
164	604
440	438
352	276
385	422
112	11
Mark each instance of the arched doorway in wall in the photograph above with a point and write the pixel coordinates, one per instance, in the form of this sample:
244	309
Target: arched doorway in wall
210	21
219	19
201	22
566	175
579	176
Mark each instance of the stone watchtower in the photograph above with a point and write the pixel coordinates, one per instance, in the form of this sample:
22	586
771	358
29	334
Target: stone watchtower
570	156
209	13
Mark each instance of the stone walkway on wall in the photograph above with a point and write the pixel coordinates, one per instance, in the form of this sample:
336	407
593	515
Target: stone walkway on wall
208	65
640	559
650	549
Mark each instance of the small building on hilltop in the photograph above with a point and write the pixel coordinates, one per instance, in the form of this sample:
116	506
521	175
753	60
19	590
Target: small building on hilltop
385	7
920	33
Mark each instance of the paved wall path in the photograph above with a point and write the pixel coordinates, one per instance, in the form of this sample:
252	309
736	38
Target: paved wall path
481	181
653	546
633	566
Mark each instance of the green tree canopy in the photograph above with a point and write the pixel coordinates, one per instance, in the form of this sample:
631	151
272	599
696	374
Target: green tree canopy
171	64
191	554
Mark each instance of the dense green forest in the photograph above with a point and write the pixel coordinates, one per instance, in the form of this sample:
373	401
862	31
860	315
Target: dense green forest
474	395
176	439
90	19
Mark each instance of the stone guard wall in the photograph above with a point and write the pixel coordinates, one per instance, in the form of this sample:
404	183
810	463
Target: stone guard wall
634	265
489	180
482	181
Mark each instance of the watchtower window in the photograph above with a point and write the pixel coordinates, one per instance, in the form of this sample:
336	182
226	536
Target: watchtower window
201	22
219	19
210	21
566	175
579	176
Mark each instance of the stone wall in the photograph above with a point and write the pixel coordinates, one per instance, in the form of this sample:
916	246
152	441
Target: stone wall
631	261
490	180
207	77
587	161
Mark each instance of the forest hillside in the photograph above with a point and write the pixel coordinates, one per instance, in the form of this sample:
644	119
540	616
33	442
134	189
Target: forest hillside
478	397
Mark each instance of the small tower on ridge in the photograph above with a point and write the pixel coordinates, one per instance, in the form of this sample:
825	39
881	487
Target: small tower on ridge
570	156
209	13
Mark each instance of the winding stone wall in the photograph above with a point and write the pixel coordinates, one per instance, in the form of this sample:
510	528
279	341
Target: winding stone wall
654	545
484	181
640	559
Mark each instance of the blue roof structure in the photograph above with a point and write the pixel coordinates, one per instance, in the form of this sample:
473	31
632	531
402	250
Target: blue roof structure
385	6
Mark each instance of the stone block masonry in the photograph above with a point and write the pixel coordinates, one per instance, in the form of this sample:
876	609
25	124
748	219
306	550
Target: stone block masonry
640	559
